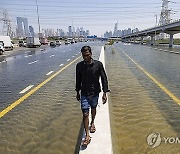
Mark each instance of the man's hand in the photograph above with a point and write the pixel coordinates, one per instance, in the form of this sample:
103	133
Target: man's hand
104	98
78	96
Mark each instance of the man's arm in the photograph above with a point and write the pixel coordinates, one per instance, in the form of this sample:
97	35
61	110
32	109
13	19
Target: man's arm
78	82
104	82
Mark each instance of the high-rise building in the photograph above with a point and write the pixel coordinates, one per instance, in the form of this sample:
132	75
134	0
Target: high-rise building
31	31
48	32
115	30
22	27
81	29
108	34
73	31
70	31
60	33
119	33
87	32
129	31
77	32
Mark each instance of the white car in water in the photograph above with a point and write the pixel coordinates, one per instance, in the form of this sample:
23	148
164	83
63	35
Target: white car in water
1	47
7	42
58	43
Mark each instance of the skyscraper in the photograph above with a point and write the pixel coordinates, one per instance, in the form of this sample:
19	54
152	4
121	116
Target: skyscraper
77	32
22	27
70	31
108	34
115	30
31	31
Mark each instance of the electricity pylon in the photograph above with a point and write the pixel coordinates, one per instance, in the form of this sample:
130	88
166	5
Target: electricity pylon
165	15
7	27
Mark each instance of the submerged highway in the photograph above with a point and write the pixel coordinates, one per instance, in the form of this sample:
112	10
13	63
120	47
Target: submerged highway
46	118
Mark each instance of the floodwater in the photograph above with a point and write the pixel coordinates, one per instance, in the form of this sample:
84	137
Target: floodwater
138	107
49	121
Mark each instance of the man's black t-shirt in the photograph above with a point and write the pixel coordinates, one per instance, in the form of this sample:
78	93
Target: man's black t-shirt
87	78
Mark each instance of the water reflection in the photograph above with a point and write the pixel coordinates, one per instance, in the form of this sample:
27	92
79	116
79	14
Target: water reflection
48	121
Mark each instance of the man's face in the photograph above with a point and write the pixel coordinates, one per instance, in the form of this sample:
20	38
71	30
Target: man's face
86	56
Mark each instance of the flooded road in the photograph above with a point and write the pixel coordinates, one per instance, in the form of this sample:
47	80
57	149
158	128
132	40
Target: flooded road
138	107
49	121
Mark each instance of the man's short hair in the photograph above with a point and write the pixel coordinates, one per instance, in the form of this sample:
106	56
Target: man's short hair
86	48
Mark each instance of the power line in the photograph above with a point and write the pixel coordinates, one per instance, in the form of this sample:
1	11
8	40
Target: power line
78	6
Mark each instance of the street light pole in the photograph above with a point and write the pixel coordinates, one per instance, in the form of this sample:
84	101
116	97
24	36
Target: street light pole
155	29
72	29
38	16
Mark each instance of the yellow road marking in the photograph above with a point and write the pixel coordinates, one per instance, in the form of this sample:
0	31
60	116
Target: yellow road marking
170	94
20	100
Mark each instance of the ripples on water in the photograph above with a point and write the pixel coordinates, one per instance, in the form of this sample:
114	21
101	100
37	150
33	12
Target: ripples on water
137	108
47	122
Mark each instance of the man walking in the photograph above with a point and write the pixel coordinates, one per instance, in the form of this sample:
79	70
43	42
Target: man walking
88	73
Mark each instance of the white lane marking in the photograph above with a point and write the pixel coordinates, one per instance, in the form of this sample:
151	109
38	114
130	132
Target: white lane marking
52	56
27	51
171	51
28	56
33	62
161	60
61	65
68	60
50	73
26	89
3	61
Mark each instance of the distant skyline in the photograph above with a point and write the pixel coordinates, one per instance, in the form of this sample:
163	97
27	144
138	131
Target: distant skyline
96	16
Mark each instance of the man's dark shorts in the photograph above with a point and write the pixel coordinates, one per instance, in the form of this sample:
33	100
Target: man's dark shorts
87	102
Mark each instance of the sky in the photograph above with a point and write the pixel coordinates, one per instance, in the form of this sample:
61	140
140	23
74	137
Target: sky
95	16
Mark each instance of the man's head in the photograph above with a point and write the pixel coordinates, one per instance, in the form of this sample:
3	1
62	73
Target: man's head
86	53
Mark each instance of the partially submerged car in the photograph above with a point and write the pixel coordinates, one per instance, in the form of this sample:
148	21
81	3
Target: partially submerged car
22	43
58	43
52	44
